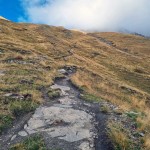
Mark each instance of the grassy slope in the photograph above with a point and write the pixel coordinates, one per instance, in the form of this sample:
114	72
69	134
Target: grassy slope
31	54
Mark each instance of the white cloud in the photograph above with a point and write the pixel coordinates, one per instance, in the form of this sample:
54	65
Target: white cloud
91	15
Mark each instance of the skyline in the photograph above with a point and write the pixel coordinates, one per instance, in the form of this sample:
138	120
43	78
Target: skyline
97	15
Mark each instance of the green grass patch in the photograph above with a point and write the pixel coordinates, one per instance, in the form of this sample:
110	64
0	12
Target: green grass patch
31	143
5	122
8	88
23	72
21	107
90	98
132	115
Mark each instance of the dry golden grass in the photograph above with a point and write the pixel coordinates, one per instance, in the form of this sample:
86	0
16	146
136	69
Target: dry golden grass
119	137
119	73
147	142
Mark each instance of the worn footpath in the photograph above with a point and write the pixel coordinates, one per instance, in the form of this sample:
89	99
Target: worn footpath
66	123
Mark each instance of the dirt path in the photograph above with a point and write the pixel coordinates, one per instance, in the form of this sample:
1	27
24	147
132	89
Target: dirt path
119	49
67	123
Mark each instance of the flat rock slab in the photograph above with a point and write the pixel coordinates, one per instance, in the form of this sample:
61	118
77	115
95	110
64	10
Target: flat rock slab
63	123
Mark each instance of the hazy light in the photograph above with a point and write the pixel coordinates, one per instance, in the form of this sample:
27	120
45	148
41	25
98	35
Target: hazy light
91	15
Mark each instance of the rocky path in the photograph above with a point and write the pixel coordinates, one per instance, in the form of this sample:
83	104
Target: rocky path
67	123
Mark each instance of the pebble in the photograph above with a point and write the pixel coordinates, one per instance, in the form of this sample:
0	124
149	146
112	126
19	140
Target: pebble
142	134
8	94
13	137
2	73
91	145
84	146
63	88
22	133
71	97
62	71
25	126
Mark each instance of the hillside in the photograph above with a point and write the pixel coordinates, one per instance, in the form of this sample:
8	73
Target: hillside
110	67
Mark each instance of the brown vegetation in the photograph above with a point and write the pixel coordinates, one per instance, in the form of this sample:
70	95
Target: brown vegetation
112	66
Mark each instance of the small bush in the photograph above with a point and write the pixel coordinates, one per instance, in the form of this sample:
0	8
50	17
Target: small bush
105	109
53	93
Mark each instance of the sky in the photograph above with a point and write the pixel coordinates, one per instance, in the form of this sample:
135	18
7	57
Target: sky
11	9
88	15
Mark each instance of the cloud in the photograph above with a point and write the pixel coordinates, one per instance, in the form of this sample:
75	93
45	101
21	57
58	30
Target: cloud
91	15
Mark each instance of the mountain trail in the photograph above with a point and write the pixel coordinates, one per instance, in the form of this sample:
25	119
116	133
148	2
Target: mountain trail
67	122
